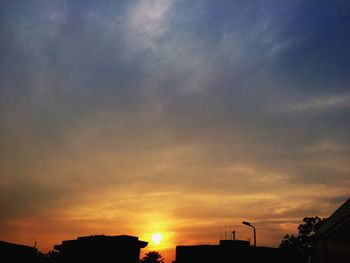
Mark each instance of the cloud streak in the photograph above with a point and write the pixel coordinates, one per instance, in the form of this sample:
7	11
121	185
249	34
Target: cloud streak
317	104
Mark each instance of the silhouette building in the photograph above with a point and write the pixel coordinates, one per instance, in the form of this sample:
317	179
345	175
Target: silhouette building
101	248
234	251
10	252
333	237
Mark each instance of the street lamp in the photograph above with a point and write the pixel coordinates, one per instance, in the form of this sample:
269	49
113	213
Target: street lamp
249	224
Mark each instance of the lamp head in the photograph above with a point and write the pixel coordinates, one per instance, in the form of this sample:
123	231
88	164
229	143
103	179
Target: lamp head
246	223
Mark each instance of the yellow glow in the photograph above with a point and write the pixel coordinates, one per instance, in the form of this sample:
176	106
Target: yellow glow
157	238
156	230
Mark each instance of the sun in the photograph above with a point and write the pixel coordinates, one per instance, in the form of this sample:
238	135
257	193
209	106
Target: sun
157	238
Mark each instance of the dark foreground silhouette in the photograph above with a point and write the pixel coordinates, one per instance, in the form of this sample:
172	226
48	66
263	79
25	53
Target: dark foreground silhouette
333	238
152	257
10	252
97	248
236	251
101	248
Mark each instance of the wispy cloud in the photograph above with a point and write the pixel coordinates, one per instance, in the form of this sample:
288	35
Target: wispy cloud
323	103
146	23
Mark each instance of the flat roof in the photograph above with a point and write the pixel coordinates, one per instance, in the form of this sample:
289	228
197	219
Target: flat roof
103	238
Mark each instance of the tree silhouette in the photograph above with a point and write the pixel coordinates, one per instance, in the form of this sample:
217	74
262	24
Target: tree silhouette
152	257
304	242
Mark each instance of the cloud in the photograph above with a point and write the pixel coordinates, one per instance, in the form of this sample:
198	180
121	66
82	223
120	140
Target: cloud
324	103
146	23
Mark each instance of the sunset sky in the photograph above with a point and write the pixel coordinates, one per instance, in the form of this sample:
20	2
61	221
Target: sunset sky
172	117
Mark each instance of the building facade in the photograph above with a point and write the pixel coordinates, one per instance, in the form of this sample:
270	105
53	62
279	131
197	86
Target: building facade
101	248
234	251
333	237
10	252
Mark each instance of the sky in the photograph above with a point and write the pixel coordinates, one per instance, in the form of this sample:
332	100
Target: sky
171	116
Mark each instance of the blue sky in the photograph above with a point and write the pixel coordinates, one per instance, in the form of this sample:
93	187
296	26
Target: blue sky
206	111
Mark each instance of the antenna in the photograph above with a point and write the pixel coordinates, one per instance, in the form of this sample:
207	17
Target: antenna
36	241
234	235
225	233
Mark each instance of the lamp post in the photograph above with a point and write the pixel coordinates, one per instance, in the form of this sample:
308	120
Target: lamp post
249	224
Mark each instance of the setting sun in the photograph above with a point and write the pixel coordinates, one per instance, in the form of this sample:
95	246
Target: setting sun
156	238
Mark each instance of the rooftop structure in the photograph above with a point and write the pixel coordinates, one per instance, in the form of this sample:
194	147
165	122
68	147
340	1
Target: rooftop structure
234	251
101	248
